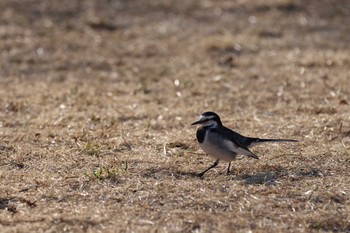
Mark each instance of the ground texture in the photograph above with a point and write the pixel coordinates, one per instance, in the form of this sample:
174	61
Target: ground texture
97	97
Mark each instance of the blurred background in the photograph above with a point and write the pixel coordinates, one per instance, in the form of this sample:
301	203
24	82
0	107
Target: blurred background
97	97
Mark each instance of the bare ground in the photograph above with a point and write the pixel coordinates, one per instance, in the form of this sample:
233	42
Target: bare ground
97	98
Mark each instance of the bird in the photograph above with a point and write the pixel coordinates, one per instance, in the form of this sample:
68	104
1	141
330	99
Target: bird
223	143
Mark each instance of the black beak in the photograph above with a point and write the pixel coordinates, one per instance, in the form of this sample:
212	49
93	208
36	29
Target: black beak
196	123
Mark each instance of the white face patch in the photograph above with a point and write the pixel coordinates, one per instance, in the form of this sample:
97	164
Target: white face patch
208	121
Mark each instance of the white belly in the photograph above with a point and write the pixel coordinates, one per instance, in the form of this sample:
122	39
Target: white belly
217	149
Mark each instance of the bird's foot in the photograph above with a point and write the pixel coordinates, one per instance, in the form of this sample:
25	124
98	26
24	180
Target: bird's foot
229	173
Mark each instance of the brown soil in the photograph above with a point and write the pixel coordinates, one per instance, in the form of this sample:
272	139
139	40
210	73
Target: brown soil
97	97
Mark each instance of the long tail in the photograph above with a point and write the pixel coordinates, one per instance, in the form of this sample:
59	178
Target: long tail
275	140
256	141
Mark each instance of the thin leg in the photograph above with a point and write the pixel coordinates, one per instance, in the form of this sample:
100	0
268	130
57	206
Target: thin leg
228	169
212	166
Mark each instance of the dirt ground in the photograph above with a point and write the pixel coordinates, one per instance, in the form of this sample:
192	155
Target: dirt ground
97	98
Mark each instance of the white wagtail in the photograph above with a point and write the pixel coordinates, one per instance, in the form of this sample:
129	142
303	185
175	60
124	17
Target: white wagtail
224	144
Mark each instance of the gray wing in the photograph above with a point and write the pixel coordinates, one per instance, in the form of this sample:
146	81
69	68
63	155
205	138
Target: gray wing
235	142
249	141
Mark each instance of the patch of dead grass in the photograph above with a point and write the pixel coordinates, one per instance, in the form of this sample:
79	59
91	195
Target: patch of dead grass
97	101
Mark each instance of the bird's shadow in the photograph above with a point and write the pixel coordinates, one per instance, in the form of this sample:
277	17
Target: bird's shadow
259	178
269	177
273	177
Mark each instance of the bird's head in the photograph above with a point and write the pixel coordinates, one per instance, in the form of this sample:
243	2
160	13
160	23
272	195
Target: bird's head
208	119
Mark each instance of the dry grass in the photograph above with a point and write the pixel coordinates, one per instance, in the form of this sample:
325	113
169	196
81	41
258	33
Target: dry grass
97	98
